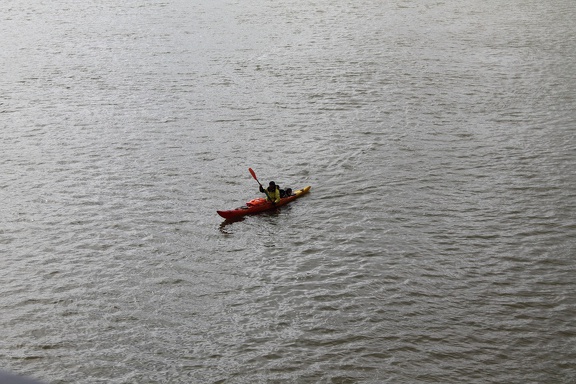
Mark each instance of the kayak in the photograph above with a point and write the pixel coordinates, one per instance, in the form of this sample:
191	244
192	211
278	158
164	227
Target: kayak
261	205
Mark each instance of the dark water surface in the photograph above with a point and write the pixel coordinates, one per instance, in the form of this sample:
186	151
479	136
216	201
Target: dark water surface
437	244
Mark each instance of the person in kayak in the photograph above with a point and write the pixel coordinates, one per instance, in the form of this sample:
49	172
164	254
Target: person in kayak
272	192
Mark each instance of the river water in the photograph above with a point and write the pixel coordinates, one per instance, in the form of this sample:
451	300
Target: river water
436	246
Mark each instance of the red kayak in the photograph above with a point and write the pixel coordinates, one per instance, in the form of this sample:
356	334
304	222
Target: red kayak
261	205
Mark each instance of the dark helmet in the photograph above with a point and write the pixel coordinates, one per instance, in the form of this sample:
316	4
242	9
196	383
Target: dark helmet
272	184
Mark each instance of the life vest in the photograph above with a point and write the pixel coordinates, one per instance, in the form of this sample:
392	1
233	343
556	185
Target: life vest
273	196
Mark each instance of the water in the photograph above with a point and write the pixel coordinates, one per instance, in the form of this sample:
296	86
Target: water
436	245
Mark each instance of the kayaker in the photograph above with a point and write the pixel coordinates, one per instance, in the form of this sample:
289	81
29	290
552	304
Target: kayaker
272	192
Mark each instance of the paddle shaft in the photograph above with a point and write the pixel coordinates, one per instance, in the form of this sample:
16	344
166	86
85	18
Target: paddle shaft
265	191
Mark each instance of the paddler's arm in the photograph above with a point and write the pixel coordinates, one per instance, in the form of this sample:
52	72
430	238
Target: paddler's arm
268	197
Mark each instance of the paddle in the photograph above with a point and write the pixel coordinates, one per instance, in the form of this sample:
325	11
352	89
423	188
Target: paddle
255	178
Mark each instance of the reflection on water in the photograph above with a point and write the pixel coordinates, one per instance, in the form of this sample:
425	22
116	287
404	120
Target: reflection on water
228	222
